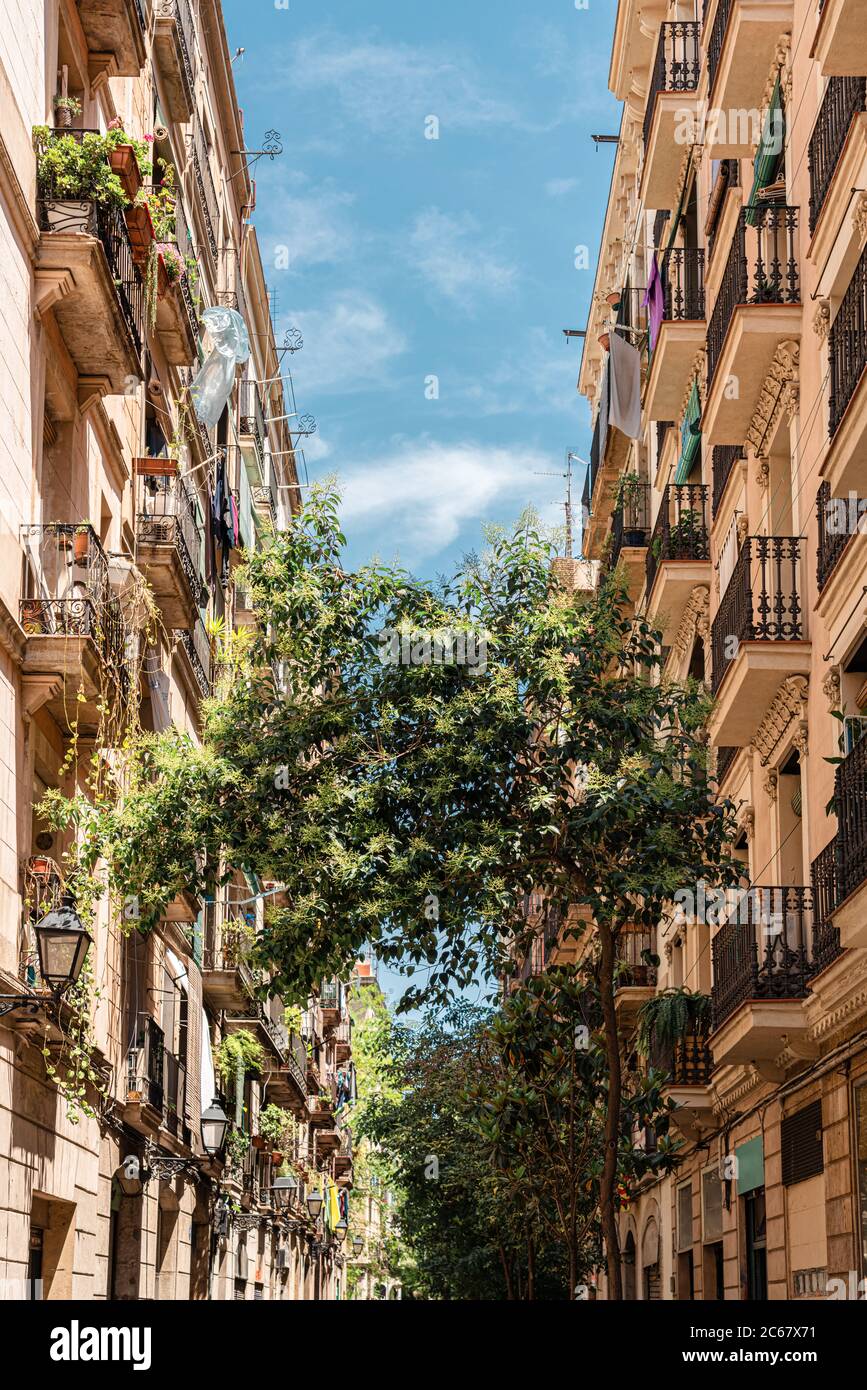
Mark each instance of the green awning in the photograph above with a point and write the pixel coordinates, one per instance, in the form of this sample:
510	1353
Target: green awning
690	436
769	153
675	221
751	1165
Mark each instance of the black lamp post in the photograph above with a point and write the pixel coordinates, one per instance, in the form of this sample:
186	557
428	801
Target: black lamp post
340	1230
62	944
314	1203
357	1243
283	1190
215	1122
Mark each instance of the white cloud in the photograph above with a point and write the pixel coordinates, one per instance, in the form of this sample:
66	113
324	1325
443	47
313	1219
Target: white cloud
420	495
349	342
456	259
389	88
307	220
557	188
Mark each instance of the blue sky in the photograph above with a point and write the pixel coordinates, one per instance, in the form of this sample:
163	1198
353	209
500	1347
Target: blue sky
411	257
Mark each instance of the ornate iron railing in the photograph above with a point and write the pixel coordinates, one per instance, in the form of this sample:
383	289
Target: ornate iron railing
844	98
630	521
683	280
71	596
635	953
717	38
763	950
724	458
185	35
839	519
680	532
205	185
195	643
724	759
251	415
762	268
762	602
676	67
847	345
687	1060
146	1062
824	876
166	516
730	174
850	803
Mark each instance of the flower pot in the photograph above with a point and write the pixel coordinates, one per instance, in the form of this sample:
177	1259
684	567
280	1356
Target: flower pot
634	538
259	1142
277	1157
40	866
141	231
62	117
124	163
81	546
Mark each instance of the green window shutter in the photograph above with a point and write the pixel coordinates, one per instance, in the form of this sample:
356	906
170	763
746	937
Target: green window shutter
690	436
769	153
751	1165
245	510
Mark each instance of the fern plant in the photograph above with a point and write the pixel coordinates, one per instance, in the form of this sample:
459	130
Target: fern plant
672	1015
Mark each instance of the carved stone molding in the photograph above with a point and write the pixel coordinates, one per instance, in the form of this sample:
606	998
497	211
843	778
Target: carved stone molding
822	320
779	393
743	524
694	614
763	476
771	784
859	218
789	704
831	688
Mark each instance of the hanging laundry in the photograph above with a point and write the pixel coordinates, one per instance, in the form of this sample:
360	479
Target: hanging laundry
230	345
624	406
654	301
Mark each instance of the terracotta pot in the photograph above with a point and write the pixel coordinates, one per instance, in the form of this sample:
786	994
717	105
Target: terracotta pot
40	866
81	545
277	1156
155	468
124	163
141	232
62	117
259	1142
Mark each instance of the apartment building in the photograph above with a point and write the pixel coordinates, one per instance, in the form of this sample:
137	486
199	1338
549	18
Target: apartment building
127	253
724	367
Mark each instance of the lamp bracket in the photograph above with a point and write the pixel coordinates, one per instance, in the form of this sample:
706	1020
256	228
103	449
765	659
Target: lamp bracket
27	1002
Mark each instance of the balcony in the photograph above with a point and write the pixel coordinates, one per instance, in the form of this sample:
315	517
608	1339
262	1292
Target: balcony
839	521
635	981
170	545
228	982
145	1073
840	45
673	82
206	196
343	1040
688	1064
681	334
289	1081
741	37
86	275
251	419
845	464
321	1111
824	875
343	1156
115	29
678	557
174	48
758	308
723	460
845	99
850	803
76	640
761	970
630	529
193	642
758	636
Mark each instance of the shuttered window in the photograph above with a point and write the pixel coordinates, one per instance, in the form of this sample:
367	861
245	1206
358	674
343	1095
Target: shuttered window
801	1139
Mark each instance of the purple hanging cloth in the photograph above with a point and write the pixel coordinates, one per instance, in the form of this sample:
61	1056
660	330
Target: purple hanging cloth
654	301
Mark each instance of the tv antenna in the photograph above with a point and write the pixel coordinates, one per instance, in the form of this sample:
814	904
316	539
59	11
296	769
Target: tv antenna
571	458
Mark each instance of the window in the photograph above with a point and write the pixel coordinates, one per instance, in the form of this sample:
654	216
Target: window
756	1245
711	1206
684	1217
860	1108
801	1141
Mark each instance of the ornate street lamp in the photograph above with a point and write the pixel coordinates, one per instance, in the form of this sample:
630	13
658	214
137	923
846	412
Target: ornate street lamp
314	1203
283	1190
215	1122
62	944
357	1244
340	1230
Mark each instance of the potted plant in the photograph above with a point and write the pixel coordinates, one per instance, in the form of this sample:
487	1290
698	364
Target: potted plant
73	175
81	543
629	497
672	1017
65	107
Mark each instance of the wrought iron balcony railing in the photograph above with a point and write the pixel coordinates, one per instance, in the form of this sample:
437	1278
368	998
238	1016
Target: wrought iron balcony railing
680	531
824	875
630	521
717	37
145	1062
251	416
687	1061
204	185
724	458
762	268
724	759
847	345
185	34
763	950
762	602
635	953
198	649
839	519
676	67
683	281
167	516
844	98
850	802
69	593
729	176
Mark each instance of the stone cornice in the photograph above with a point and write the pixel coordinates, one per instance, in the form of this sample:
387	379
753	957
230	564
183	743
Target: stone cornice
12	637
779	392
789	704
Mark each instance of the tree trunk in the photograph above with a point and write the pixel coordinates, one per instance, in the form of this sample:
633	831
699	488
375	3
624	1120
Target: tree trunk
506	1274
531	1270
612	1115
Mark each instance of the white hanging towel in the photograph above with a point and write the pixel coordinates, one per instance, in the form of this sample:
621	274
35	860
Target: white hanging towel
624	406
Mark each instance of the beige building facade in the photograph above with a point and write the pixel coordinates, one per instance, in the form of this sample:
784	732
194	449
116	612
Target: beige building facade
727	474
122	521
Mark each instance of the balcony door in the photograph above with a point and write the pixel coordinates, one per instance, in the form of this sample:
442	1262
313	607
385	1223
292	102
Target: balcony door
756	1245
